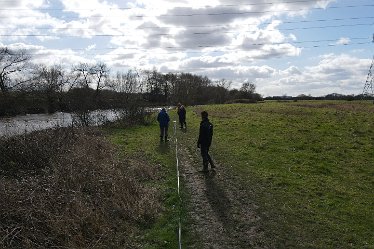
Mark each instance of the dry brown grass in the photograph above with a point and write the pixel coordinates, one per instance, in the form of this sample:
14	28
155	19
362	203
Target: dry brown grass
68	189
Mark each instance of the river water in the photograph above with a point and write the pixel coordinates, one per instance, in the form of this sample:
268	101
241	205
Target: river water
23	124
33	122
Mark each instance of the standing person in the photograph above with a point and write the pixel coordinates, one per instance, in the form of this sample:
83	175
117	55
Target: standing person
182	116
205	140
163	119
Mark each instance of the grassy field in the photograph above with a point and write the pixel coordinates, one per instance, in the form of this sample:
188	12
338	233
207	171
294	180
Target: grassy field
142	142
309	164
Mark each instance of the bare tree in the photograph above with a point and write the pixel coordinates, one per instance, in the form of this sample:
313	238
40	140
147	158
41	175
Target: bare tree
248	91
49	78
248	88
91	75
12	62
224	83
100	73
130	87
192	89
82	74
128	83
50	81
81	94
222	90
155	85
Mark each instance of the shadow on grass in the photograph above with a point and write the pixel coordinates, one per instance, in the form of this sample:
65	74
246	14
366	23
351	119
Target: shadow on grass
217	199
163	147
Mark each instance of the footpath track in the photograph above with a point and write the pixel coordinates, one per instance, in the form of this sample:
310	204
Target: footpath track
221	211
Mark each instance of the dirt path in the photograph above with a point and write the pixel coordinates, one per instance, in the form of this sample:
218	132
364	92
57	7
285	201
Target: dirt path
222	213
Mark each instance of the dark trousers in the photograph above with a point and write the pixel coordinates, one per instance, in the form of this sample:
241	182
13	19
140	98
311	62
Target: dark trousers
182	122
164	132
206	157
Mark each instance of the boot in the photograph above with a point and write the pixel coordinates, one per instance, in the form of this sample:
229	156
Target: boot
205	168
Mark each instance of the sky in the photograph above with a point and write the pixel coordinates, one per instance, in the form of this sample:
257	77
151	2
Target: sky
284	47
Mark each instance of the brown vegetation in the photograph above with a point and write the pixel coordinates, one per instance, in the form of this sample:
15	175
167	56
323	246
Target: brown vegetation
67	188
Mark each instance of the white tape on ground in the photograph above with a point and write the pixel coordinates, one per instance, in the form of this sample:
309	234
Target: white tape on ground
178	186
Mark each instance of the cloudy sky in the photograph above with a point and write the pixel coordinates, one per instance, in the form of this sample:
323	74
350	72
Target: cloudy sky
284	47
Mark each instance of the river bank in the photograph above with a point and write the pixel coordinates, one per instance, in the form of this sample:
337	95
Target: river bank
87	187
23	124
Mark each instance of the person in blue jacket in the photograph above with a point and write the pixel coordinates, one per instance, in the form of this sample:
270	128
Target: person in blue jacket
163	119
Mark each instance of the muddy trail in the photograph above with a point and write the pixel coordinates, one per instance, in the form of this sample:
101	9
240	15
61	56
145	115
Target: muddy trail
221	212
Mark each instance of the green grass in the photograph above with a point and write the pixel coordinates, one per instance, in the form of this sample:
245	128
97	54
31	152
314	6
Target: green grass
310	165
142	142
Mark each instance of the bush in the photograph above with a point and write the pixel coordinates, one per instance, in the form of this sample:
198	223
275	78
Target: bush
134	115
66	188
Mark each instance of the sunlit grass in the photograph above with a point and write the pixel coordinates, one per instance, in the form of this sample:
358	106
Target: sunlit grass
144	142
310	165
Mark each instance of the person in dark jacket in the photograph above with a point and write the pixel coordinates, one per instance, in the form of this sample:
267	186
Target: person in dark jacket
163	119
181	111
205	140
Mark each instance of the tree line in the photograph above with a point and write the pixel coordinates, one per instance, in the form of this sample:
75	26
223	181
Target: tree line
331	96
36	88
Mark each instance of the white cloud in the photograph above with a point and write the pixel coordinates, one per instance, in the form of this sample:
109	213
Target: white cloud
343	41
42	55
334	73
236	40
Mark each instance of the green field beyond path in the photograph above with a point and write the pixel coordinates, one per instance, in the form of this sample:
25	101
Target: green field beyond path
308	165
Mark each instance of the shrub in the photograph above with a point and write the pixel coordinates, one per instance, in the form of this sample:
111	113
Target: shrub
67	188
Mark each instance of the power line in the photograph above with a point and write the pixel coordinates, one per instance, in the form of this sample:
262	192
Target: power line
212	26
257	12
233	47
131	8
192	33
333	42
222	13
330	26
195	50
328	20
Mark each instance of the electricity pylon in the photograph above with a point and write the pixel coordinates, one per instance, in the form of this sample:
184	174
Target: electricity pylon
368	87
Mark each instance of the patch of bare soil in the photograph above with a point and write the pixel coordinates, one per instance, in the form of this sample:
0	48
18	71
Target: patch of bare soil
222	212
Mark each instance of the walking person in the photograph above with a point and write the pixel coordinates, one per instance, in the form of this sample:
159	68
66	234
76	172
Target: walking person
181	111
205	140
163	119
